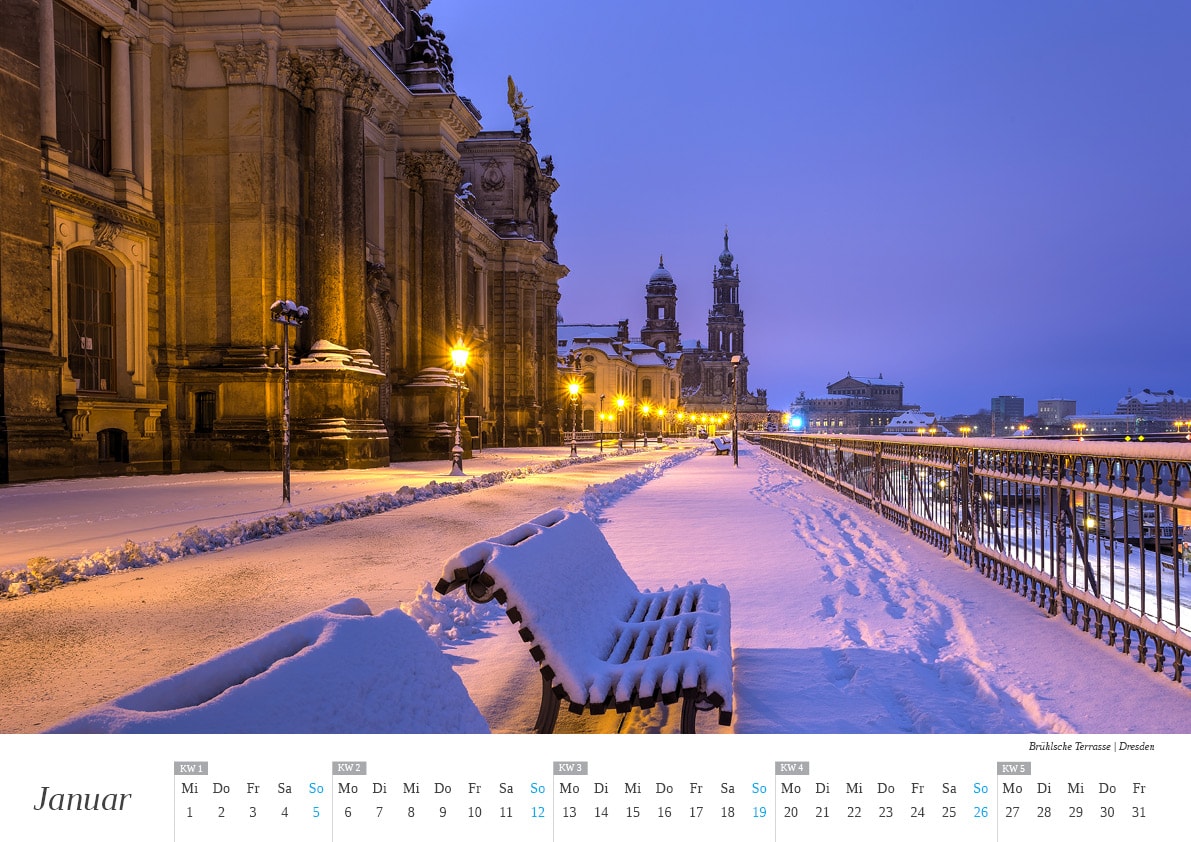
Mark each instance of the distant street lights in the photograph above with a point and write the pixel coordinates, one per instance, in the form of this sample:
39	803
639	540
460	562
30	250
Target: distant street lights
459	355
735	410
288	314
573	388
620	422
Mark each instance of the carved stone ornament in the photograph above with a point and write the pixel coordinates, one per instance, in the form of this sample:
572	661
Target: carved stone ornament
179	59
410	166
329	69
438	166
493	177
244	64
291	75
361	94
105	232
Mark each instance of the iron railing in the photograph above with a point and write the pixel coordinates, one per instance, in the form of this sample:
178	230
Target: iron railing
1100	531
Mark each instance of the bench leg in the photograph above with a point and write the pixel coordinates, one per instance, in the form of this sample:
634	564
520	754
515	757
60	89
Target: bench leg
548	713
689	708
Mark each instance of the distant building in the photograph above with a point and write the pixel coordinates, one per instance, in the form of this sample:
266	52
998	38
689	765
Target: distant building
707	372
611	365
1155	406
1008	411
916	424
1052	412
854	405
662	383
1100	425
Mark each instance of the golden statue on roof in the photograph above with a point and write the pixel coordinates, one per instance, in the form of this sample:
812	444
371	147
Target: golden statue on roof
519	108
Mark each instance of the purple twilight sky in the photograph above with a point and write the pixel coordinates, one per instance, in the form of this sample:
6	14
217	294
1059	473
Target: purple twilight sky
974	199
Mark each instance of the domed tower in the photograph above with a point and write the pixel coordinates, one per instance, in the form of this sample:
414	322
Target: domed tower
661	299
725	321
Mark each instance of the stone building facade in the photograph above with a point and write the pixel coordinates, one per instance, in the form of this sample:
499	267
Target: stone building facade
853	405
708	372
174	168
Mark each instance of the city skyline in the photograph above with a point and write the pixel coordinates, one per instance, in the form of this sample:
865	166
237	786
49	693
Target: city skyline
976	201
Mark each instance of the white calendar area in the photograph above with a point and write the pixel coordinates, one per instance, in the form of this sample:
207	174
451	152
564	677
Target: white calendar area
383	787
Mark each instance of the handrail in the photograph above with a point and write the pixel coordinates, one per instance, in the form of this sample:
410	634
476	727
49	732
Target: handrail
1100	531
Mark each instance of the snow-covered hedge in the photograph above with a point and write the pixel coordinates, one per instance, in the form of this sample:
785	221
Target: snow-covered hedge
42	573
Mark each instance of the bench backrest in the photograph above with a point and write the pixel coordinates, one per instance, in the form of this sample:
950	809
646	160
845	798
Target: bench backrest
561	575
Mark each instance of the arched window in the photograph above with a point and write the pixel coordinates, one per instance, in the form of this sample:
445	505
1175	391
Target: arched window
91	315
589	382
113	445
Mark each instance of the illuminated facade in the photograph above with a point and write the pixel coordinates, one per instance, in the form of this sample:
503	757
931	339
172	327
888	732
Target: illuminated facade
173	168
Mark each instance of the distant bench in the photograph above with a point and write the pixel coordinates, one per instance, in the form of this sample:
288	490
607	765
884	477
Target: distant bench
601	644
722	446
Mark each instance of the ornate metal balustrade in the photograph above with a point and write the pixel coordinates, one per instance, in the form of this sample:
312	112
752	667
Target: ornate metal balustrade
1100	531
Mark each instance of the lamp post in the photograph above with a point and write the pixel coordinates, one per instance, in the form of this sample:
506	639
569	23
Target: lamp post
287	313
735	410
573	388
620	422
459	355
601	423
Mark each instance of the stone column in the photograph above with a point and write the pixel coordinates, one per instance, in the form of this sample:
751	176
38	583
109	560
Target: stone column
374	201
409	166
329	73
357	104
121	114
440	178
142	138
251	202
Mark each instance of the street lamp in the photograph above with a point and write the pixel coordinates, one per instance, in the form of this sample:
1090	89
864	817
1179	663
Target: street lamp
459	355
573	388
601	423
735	410
620	422
287	313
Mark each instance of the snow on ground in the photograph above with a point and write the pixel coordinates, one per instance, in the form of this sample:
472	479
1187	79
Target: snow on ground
840	622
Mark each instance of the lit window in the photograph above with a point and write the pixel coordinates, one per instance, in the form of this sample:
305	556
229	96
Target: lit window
82	60
90	282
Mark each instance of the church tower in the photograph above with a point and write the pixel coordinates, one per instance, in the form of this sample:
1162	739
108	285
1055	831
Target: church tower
661	299
725	321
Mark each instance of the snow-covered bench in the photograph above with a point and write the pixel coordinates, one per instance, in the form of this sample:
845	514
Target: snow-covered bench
600	642
722	446
339	670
